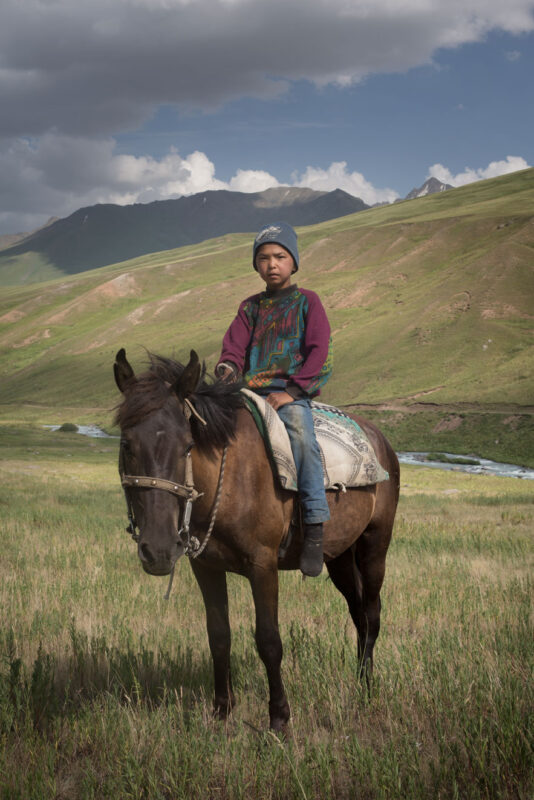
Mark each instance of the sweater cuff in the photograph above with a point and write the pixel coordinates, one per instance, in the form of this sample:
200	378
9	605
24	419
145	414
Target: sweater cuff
224	365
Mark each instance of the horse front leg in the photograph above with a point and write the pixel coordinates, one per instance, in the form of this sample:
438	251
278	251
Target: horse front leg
264	583
212	584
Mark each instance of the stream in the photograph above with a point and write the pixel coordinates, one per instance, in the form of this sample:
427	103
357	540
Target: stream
483	467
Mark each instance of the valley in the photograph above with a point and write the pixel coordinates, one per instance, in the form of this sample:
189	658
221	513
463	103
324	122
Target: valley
431	304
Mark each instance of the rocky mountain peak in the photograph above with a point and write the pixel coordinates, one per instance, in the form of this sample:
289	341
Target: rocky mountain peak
430	186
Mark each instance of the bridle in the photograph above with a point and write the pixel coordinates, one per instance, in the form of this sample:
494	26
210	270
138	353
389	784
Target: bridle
191	545
187	491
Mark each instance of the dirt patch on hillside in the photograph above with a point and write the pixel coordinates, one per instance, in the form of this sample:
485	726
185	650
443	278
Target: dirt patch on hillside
12	316
459	303
512	422
448	424
93	346
123	285
32	339
502	311
312	249
424	393
169	301
343	299
136	316
155	308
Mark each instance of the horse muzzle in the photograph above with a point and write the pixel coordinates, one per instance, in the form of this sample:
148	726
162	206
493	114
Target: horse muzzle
157	560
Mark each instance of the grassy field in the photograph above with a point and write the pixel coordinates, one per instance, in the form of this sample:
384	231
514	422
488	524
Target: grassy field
105	688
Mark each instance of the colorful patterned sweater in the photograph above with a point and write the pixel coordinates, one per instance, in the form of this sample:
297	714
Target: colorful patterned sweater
280	341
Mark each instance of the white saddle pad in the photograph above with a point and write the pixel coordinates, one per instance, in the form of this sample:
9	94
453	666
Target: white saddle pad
346	453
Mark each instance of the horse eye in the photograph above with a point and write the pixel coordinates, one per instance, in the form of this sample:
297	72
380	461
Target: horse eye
189	447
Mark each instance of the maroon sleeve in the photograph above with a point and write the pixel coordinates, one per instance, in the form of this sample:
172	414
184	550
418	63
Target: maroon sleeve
237	339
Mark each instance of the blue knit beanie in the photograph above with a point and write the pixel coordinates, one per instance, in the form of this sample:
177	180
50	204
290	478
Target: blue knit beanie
277	233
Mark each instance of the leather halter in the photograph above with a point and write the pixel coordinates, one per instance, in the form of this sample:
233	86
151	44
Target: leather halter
187	491
191	545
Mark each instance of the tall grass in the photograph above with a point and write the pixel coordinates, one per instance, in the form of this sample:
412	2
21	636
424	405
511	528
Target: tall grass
105	688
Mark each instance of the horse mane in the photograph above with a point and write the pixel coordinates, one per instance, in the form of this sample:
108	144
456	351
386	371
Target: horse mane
215	402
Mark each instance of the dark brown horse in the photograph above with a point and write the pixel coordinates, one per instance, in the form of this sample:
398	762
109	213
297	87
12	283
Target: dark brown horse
217	472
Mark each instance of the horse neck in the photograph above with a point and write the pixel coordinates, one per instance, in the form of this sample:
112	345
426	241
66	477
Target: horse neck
244	453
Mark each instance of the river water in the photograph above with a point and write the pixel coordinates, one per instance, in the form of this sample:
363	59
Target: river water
87	430
484	467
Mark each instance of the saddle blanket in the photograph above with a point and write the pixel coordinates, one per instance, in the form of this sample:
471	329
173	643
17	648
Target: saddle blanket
346	453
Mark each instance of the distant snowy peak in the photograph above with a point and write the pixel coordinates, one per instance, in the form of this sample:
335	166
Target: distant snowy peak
431	186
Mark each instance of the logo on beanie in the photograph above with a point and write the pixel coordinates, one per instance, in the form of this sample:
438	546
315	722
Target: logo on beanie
269	233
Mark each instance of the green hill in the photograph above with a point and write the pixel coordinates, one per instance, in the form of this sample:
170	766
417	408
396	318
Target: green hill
429	300
103	234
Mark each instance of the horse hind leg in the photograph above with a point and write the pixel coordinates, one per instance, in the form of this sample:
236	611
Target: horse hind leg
364	607
370	555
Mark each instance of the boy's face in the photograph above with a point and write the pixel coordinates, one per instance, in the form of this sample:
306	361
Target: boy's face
275	266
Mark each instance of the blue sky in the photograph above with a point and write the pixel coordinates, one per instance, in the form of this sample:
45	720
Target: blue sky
472	106
150	99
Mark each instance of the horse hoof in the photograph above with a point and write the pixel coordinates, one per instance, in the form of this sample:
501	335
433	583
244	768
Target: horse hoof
279	725
223	709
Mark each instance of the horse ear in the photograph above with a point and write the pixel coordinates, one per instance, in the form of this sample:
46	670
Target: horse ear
122	370
188	380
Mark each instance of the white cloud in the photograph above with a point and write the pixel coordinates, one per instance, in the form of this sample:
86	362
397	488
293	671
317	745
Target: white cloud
250	180
59	174
171	176
469	175
337	177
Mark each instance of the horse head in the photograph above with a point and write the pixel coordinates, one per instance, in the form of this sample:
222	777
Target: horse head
155	451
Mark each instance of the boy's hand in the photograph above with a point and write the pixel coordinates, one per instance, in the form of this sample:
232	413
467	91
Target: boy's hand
225	373
279	399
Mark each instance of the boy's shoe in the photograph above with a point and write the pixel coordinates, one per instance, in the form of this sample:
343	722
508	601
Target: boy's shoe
311	557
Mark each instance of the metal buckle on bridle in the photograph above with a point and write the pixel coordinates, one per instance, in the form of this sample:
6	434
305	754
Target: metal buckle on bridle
190	543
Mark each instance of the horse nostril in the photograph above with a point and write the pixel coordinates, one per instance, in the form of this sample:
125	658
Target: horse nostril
144	553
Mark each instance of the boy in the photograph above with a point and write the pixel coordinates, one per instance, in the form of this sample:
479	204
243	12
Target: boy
279	345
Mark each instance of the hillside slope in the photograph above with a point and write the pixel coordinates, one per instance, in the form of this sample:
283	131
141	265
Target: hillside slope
98	235
431	299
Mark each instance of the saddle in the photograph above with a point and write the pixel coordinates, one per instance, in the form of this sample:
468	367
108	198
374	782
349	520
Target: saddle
347	455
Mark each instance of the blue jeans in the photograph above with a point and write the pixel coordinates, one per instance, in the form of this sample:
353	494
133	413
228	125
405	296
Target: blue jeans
298	420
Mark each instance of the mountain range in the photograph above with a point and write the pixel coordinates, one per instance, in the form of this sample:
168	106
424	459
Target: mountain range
103	234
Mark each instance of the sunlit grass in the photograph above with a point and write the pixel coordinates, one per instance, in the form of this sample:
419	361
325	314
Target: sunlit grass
105	688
